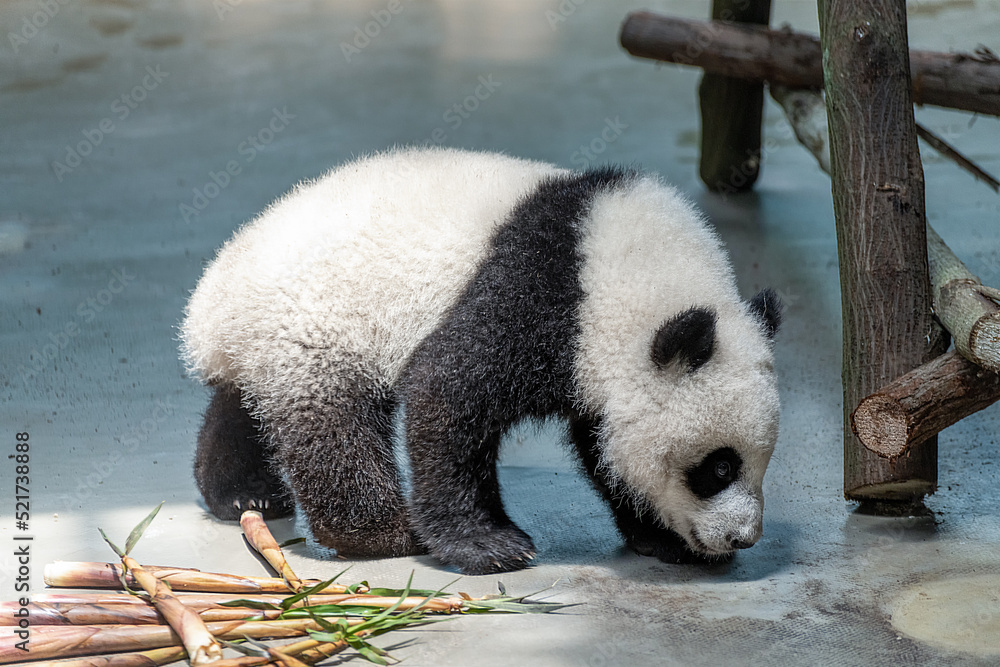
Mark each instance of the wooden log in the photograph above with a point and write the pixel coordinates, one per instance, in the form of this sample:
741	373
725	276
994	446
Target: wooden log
878	201
955	80
966	308
805	111
918	405
962	304
732	110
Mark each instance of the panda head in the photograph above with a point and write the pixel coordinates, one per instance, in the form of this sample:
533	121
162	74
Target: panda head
698	458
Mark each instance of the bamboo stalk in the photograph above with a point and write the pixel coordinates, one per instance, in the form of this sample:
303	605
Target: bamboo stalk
70	574
284	659
129	614
322	652
150	658
308	651
69	641
305	652
260	538
67	600
201	647
103	609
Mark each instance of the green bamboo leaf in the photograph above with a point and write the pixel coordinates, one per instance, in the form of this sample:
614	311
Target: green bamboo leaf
396	592
324	610
367	651
332	631
137	532
250	604
312	590
512	605
389	610
290	542
247	646
353	588
111	544
339	626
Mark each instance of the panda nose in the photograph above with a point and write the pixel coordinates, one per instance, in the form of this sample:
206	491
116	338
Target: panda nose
738	543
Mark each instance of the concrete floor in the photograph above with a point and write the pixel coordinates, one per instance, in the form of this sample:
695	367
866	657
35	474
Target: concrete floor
98	258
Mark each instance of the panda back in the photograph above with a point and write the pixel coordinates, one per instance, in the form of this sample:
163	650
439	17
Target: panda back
359	264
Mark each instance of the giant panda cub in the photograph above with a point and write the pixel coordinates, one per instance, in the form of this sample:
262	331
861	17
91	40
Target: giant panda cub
475	290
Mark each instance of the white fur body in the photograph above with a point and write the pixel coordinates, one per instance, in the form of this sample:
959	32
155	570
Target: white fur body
355	269
361	264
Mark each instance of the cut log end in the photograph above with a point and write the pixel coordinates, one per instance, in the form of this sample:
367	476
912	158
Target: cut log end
918	405
880	422
984	339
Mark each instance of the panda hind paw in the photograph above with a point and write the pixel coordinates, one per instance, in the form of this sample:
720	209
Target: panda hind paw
499	550
229	507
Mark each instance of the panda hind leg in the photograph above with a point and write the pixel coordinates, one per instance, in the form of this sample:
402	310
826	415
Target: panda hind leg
336	450
232	466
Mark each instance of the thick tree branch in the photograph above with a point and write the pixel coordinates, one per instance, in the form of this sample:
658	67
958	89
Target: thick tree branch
966	308
956	80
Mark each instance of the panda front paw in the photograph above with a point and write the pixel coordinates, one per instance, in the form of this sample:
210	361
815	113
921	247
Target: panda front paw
498	550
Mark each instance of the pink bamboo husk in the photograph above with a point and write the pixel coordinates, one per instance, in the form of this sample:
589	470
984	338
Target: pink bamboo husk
260	538
69	574
127	613
72	641
151	658
109	608
201	647
284	659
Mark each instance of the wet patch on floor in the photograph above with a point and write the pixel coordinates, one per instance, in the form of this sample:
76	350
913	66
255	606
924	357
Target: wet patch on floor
961	613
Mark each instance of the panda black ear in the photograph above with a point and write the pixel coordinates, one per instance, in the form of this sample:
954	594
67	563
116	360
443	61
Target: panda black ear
689	337
767	307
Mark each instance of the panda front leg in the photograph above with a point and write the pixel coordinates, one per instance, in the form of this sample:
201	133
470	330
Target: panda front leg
641	530
456	509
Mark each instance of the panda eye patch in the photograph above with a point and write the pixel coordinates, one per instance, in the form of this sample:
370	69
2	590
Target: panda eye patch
715	472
